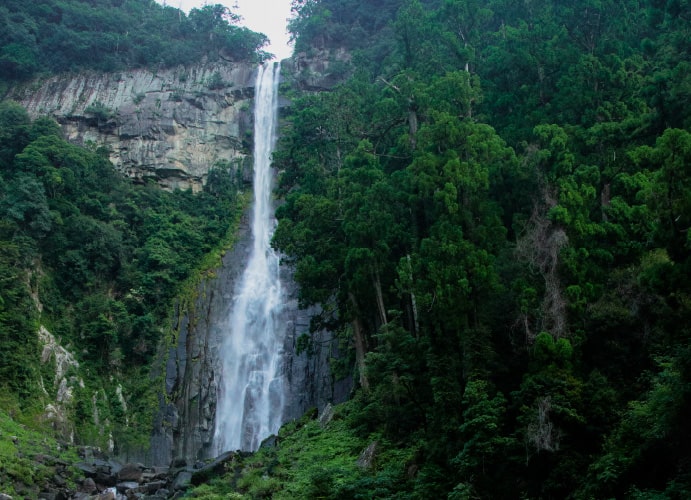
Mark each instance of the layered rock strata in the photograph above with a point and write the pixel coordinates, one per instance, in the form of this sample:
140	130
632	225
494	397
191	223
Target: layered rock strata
171	125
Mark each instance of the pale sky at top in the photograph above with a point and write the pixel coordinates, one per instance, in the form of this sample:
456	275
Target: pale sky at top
264	16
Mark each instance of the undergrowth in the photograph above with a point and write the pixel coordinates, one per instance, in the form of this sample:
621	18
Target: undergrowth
29	459
311	460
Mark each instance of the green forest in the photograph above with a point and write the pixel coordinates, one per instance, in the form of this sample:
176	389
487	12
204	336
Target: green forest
492	210
103	257
48	36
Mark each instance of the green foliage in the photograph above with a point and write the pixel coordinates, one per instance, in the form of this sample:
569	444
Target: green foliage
479	461
494	205
492	209
28	459
18	326
74	35
100	111
638	448
215	81
315	461
105	258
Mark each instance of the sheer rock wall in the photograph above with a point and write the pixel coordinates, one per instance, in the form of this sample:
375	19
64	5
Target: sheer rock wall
184	427
171	125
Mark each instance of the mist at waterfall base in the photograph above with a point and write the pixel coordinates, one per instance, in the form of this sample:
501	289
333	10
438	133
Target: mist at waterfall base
252	386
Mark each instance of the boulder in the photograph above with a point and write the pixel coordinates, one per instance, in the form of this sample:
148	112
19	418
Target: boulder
153	487
88	486
327	415
87	469
54	495
125	486
366	458
115	466
215	468
182	480
106	480
58	480
131	472
270	442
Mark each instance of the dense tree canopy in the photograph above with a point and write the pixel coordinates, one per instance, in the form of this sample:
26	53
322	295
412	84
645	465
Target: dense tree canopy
493	210
110	35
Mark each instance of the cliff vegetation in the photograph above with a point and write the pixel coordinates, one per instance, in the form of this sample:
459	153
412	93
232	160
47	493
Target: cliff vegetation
94	258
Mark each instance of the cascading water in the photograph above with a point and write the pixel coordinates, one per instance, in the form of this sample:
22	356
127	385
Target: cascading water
252	386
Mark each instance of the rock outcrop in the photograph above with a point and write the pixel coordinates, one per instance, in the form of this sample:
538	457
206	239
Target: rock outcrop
320	70
171	125
97	476
63	384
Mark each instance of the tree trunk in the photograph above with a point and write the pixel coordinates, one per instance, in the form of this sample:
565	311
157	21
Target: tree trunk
413	300
360	344
380	297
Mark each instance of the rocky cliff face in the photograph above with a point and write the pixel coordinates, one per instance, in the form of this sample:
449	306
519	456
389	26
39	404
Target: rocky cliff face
184	428
170	125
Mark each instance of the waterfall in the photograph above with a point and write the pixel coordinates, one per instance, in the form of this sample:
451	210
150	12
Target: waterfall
252	386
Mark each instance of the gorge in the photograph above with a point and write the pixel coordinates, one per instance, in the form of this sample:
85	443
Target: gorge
235	374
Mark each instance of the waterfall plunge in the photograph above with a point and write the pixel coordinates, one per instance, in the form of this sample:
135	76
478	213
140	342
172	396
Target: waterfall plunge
251	389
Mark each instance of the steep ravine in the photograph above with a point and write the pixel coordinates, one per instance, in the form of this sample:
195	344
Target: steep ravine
172	126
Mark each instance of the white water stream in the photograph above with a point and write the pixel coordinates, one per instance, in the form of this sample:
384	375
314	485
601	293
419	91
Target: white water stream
251	389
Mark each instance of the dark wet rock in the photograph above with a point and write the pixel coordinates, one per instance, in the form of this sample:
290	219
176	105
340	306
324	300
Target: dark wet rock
213	469
185	425
270	442
131	472
182	480
87	469
53	495
88	486
106	480
153	487
102	465
124	486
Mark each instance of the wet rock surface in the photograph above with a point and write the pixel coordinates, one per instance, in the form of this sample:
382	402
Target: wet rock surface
184	428
99	477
